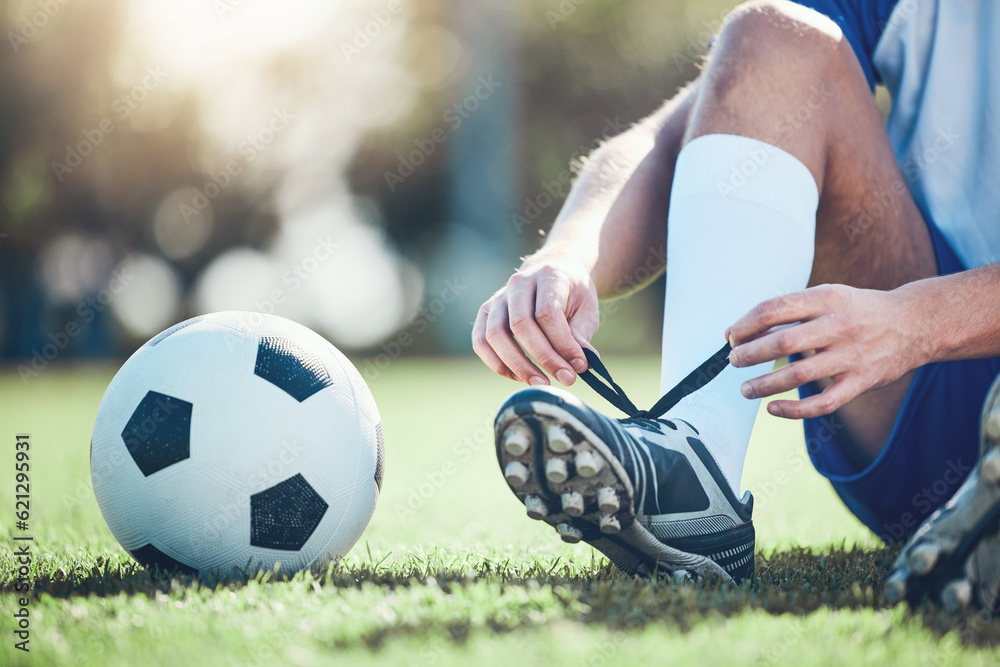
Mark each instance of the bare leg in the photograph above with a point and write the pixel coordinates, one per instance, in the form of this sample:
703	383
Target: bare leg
785	75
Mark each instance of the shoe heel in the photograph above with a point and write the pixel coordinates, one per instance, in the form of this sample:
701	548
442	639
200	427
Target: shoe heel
990	421
989	467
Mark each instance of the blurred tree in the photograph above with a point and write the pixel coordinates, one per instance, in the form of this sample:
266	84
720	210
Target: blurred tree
91	144
73	161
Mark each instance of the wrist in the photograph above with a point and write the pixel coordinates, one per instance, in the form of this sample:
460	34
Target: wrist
558	257
920	310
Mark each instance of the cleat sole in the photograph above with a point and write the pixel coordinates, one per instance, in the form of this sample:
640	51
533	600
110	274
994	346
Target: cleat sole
535	507
895	588
587	464
516	474
558	440
991	427
923	558
607	500
572	503
609	525
957	595
990	467
569	534
556	471
517	441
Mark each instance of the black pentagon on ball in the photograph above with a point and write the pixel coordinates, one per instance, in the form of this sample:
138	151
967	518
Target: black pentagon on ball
158	434
285	515
287	366
152	558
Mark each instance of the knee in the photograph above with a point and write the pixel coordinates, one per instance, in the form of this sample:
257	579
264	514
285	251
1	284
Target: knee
769	45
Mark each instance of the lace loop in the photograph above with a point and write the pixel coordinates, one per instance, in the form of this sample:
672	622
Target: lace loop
611	392
615	395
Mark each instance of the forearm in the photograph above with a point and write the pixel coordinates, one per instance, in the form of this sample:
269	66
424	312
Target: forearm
958	315
615	219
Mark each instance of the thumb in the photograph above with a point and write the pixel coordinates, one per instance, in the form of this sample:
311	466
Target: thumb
584	326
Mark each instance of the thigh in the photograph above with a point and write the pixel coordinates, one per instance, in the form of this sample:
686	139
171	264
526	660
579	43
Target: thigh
869	232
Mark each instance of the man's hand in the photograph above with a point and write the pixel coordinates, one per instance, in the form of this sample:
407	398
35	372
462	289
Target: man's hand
863	339
550	309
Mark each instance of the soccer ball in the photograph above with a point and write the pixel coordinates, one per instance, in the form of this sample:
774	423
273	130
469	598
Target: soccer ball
235	441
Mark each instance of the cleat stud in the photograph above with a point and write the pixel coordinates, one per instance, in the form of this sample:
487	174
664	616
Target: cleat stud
607	500
923	557
572	503
989	467
609	525
957	595
569	534
895	588
516	440
559	441
516	474
535	507
588	464
991	427
556	471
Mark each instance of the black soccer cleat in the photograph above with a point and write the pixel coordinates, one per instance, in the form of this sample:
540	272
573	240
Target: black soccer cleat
954	557
644	490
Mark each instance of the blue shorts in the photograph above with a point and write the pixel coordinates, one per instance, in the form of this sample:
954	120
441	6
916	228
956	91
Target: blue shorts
932	447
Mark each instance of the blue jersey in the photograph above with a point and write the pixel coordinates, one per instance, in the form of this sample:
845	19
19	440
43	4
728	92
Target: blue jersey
940	61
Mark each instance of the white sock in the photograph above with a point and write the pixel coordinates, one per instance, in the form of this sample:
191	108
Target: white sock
741	230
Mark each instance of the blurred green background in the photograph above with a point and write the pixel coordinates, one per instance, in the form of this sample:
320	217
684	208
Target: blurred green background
366	167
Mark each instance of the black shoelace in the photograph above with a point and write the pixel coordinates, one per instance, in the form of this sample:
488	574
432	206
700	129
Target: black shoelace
615	395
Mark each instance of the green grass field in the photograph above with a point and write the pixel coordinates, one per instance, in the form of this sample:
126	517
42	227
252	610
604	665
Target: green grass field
450	571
